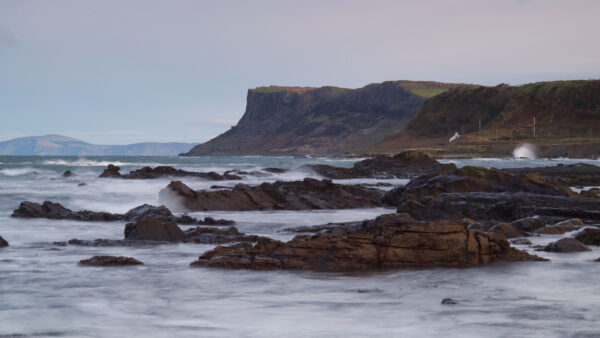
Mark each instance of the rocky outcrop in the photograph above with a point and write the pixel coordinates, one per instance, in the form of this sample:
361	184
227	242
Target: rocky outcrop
57	211
566	245
110	261
579	174
407	164
389	241
298	195
505	207
3	242
165	171
326	120
474	179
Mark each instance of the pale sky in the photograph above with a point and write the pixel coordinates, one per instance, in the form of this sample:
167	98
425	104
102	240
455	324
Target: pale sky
124	71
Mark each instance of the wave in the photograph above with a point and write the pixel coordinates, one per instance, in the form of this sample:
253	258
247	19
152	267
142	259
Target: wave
18	171
88	163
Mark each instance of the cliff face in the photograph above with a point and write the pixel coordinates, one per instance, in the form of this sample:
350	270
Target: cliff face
562	109
326	120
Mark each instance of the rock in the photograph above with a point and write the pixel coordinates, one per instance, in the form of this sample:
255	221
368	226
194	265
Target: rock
589	235
566	245
507	230
389	241
475	179
110	261
504	207
165	171
522	241
3	242
150	229
217	236
81	184
560	227
529	224
57	211
449	301
579	174
67	173
111	171
298	195
404	165
597	260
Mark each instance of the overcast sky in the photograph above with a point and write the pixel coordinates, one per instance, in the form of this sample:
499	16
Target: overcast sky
125	71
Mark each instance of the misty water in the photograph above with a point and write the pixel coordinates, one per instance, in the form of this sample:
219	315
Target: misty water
44	292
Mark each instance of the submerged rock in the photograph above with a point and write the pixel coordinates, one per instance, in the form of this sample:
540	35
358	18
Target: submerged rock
57	211
110	261
298	195
389	241
449	301
566	245
165	171
67	173
3	242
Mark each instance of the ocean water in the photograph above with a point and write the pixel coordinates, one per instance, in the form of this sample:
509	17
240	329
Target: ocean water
43	291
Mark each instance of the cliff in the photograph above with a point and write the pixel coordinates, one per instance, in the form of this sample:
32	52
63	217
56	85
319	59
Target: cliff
319	121
564	111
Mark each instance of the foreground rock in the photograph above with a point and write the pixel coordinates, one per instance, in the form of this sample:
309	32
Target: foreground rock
579	174
3	242
110	261
165	171
404	165
297	195
389	241
566	245
504	207
475	179
57	211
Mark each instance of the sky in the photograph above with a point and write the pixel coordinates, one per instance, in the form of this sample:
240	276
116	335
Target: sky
126	71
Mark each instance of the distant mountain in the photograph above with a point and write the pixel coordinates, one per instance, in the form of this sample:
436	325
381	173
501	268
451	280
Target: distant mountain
321	121
67	146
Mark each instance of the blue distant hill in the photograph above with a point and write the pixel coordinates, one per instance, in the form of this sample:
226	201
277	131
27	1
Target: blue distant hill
67	146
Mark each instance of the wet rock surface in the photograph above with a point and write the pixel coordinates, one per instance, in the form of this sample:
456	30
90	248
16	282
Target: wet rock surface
165	171
589	235
389	241
110	261
53	210
404	165
3	242
297	195
579	174
566	245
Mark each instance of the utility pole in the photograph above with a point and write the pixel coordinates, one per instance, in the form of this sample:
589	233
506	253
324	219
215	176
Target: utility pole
534	126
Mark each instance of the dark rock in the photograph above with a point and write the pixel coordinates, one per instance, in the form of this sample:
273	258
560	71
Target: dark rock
522	241
275	170
566	245
579	174
3	242
589	236
597	260
217	236
110	261
297	195
507	230
111	171
145	211
67	173
150	229
389	241
81	184
560	227
504	207
449	301
529	224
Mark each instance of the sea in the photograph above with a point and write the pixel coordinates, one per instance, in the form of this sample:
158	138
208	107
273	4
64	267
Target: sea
44	292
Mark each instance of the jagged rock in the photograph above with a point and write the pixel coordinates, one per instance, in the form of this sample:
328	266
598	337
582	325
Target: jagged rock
3	242
57	211
165	171
151	229
579	174
475	179
389	241
111	171
589	235
67	173
566	245
407	164
297	195
217	236
529	224
504	207
560	227
110	261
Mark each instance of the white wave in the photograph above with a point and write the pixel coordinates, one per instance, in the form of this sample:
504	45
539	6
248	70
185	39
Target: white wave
525	150
18	171
88	163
